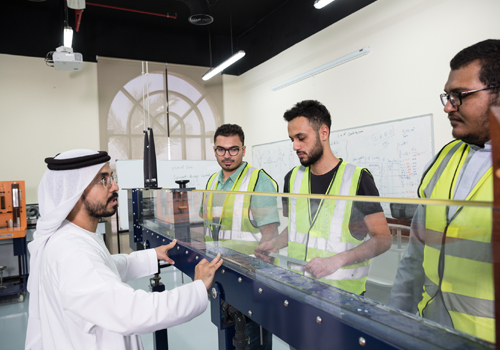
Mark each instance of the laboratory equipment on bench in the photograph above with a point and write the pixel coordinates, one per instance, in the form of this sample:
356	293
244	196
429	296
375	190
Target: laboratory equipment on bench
13	226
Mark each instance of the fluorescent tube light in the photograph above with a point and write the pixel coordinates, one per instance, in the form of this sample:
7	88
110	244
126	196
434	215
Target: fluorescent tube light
223	65
68	36
322	68
319	4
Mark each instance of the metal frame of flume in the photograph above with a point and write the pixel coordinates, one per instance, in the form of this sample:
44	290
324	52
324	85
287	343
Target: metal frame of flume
299	318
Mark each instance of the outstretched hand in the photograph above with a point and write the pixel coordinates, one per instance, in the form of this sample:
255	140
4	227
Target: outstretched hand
205	270
162	252
321	267
263	250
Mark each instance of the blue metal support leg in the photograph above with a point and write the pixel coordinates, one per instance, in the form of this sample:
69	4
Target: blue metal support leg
225	329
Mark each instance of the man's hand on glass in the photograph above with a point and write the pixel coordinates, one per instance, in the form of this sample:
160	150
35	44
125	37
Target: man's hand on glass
321	267
263	250
205	270
162	252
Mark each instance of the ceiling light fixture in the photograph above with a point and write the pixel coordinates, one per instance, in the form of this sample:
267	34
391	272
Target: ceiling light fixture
319	4
235	57
68	36
67	30
211	73
322	68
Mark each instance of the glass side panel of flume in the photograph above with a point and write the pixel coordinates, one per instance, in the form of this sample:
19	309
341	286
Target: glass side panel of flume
427	262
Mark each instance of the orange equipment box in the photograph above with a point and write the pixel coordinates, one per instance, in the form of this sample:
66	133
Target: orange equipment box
12	209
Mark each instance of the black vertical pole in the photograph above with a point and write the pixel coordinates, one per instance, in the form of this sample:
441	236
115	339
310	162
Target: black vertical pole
118	231
146	161
161	336
167	102
153	174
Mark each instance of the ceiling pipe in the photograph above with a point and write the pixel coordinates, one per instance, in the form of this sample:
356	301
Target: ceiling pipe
136	11
78	19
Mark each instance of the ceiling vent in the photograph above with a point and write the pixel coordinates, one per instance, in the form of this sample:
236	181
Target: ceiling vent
199	12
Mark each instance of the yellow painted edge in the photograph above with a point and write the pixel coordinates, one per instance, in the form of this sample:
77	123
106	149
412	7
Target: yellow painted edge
398	200
425	201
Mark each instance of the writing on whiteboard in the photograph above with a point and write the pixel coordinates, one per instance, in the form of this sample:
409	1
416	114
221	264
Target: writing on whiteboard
395	152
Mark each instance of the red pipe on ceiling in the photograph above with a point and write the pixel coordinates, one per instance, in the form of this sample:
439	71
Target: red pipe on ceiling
137	11
78	19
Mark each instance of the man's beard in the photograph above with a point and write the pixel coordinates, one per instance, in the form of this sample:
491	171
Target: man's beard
476	139
232	167
98	210
314	155
484	120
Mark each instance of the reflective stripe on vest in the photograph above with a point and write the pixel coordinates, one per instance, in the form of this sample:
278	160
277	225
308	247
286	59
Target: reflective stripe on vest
463	303
330	233
234	216
464	261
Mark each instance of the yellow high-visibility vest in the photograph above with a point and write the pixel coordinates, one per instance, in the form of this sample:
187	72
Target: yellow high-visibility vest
327	233
236	229
458	251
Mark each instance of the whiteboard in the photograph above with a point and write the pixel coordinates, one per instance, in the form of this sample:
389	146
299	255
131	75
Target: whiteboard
395	152
131	175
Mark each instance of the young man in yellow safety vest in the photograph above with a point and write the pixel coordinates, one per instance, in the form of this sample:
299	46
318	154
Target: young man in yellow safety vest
240	222
446	274
326	234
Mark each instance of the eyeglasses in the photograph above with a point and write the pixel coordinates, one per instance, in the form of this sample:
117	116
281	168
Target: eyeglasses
107	181
233	151
456	97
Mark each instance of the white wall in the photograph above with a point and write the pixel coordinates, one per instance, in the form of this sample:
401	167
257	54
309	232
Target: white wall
43	112
412	42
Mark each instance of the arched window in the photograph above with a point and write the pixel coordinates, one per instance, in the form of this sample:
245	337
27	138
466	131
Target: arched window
193	119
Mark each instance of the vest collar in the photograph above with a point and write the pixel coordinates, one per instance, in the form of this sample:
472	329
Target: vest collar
486	148
234	176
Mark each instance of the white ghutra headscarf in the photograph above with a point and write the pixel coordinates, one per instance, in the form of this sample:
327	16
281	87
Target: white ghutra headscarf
61	187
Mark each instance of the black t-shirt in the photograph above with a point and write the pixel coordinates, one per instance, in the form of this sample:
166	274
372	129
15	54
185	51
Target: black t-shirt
320	184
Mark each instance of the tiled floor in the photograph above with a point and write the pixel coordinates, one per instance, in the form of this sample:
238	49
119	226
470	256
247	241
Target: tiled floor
14	318
13	322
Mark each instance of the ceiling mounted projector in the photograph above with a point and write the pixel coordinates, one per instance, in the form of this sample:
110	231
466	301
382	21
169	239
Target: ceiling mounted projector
64	59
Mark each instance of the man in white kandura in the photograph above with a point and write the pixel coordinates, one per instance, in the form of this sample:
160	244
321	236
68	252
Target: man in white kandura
78	295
